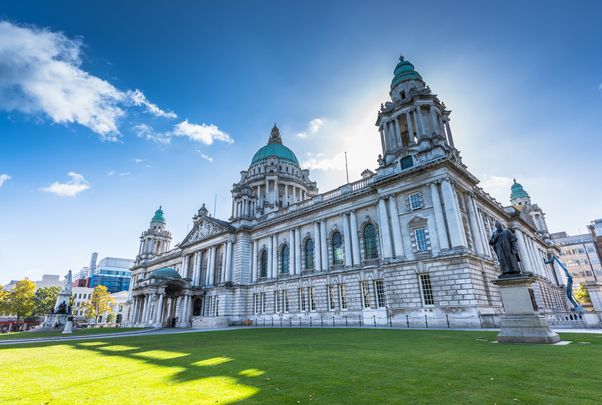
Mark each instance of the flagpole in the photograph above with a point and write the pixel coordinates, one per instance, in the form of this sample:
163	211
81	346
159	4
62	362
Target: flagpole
346	168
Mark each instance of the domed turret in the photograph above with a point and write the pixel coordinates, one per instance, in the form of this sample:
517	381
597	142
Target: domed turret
156	239
404	71
158	217
519	198
275	149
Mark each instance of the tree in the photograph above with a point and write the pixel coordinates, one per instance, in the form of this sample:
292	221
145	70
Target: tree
582	296
21	299
45	298
110	318
99	303
4	301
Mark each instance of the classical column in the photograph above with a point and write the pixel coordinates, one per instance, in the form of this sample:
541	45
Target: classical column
433	113
452	211
297	251
159	317
323	245
291	251
222	276
276	191
382	137
450	139
184	269
474	226
144	308
397	240
419	126
484	235
347	241
285	194
186	311
317	249
254	262
228	261
270	256
275	258
439	219
384	226
355	242
410	128
531	251
212	266
522	251
397	136
267	190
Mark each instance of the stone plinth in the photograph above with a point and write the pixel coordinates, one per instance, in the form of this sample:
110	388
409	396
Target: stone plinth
594	288
521	323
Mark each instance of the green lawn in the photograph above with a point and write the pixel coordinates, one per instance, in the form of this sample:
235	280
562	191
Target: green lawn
77	332
326	366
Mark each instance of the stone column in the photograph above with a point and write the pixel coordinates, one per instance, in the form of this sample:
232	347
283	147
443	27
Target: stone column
419	126
291	252
270	256
410	129
483	232
159	317
285	195
323	245
522	251
397	240
317	249
474	226
384	227
439	219
212	266
382	137
355	242
222	276
228	262
297	251
347	241
275	259
433	114
254	262
452	210
267	191
144	309
450	139
397	136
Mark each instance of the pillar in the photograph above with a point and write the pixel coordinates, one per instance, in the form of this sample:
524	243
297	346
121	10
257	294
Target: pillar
474	226
410	128
254	262
224	261
439	219
397	136
297	251
433	114
522	251
159	317
419	126
228	261
452	211
317	248
450	139
270	256
286	195
384	226
212	266
291	251
347	241
355	242
323	245
397	240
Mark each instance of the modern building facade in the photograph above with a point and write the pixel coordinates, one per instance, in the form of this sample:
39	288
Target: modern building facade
407	240
112	272
579	254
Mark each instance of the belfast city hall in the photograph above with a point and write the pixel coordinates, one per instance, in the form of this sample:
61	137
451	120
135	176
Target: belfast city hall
407	242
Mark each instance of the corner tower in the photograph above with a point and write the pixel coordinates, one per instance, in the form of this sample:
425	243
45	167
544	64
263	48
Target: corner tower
156	239
274	180
414	125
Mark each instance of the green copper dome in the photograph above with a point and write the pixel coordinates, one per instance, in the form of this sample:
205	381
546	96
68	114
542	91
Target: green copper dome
404	71
158	217
166	273
274	148
518	191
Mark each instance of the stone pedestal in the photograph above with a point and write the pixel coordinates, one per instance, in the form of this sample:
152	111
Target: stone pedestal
521	323
594	288
68	326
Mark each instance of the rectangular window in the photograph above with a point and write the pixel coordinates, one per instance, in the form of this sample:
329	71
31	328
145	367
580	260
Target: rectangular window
332	301
365	291
302	300
285	297
312	299
343	296
276	301
379	290
216	306
263	303
427	291
421	243
415	201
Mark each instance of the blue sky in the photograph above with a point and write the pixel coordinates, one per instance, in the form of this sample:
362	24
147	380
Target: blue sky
108	110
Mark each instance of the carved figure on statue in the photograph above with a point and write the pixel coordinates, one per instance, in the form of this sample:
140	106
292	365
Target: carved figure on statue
504	243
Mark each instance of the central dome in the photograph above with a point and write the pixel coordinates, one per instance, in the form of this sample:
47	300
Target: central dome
166	273
274	148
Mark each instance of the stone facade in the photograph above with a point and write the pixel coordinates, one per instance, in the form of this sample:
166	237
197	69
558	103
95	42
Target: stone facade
406	244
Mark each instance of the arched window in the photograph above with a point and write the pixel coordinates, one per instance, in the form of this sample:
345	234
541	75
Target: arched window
263	264
338	256
284	258
309	254
370	249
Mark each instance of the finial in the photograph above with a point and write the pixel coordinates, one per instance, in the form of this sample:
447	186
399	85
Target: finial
401	58
514	181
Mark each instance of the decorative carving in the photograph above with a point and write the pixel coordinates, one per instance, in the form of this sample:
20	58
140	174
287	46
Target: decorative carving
204	229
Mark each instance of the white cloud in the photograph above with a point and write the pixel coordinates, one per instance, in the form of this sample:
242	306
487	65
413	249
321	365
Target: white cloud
146	131
137	160
125	173
4	178
112	172
137	98
207	157
70	188
495	182
313	127
201	132
40	73
320	162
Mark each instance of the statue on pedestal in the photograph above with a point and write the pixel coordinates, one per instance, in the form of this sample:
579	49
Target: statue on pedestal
504	244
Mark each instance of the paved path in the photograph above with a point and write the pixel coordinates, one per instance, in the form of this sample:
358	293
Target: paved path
172	331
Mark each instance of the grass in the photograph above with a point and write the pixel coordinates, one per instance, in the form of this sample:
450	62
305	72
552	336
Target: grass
325	366
77	332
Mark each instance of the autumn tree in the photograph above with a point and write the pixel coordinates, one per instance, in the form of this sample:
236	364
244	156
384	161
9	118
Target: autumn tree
582	296
4	301
45	298
99	303
21	300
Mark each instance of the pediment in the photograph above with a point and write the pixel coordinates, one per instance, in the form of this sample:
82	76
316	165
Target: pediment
205	228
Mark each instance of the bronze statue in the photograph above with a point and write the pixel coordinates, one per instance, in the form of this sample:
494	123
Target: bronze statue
504	244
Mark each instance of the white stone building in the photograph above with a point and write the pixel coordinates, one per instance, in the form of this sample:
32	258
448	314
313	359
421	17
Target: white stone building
406	241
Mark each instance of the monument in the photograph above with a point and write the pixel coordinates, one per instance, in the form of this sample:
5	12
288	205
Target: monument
521	322
60	316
